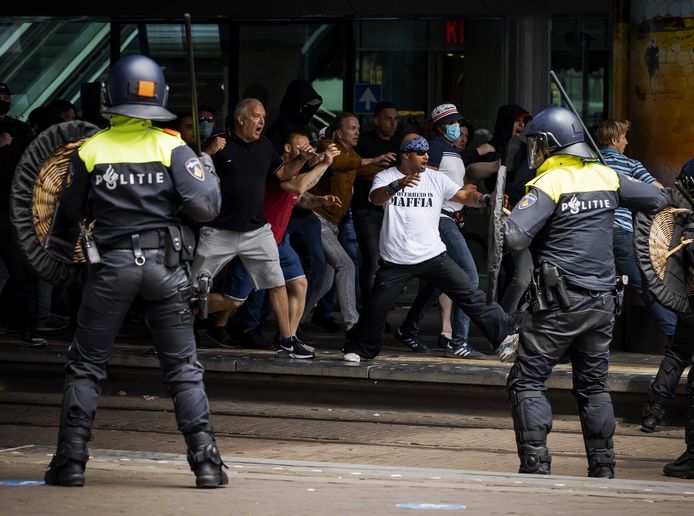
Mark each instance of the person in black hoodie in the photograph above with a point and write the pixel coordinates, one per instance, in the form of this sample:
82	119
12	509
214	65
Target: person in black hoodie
510	121
299	104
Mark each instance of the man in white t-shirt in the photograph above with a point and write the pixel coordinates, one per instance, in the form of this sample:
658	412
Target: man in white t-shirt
410	246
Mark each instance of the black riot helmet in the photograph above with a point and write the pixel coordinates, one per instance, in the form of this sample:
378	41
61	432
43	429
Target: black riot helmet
685	180
556	130
136	88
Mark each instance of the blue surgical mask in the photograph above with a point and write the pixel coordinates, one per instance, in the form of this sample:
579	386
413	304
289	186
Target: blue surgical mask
452	132
205	129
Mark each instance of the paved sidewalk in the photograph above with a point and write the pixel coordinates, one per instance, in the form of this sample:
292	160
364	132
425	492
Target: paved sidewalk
148	483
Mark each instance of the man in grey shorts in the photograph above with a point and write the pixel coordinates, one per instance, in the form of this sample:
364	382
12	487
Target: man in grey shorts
240	229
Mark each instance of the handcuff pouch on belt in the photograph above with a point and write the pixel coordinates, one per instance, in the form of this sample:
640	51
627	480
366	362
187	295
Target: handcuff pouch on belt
180	245
620	286
547	289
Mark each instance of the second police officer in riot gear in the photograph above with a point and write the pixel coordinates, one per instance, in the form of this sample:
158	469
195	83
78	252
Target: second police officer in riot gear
566	220
681	353
132	179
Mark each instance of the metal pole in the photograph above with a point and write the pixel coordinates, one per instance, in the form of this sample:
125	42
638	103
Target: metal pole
566	98
193	88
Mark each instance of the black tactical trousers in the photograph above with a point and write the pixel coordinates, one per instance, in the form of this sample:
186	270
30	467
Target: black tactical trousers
678	356
442	272
582	334
110	290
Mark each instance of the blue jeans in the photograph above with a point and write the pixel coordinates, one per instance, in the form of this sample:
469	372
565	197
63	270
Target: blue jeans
304	234
457	249
625	262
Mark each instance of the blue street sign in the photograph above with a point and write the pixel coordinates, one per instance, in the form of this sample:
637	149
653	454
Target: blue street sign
366	96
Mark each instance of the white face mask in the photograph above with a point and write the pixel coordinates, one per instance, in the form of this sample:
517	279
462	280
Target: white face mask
205	129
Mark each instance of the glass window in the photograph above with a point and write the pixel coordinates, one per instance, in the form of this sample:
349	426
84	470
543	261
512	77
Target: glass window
44	60
581	60
272	55
166	44
422	63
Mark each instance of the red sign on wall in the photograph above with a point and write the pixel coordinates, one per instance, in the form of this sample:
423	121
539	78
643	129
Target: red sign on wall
455	32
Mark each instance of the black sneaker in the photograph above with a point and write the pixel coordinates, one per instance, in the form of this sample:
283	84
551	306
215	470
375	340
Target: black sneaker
291	347
304	336
53	323
414	342
444	342
463	351
218	336
307	345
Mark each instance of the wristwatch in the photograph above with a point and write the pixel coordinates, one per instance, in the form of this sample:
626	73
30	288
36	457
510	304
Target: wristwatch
485	199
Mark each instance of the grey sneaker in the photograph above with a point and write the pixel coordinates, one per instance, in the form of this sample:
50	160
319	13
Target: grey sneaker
508	349
462	351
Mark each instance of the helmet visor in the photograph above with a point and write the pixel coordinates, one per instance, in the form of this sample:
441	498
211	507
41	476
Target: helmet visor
538	149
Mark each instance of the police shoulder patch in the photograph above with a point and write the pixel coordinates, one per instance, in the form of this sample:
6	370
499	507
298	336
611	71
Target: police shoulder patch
195	169
527	201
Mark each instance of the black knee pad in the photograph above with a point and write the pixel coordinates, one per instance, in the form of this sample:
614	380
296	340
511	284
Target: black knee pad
532	416
596	414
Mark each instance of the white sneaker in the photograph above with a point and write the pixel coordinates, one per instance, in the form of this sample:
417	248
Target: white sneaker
352	357
508	349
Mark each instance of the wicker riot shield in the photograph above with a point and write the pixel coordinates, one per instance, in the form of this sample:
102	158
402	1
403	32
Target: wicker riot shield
659	247
38	182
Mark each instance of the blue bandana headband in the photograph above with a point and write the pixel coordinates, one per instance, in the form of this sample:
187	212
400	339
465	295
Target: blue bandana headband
415	144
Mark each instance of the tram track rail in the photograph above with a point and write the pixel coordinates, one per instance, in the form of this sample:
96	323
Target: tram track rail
306	430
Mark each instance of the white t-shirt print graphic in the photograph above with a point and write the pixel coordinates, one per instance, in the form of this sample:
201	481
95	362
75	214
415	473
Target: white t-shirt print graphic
410	230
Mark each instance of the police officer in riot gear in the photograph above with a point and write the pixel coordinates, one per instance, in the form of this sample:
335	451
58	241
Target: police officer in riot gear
132	179
681	353
566	220
678	354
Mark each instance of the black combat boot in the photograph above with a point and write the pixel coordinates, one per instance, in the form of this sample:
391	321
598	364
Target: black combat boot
534	459
652	414
683	467
69	461
601	464
205	461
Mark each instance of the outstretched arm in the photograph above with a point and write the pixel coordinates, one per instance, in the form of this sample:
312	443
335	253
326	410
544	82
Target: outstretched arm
303	182
382	195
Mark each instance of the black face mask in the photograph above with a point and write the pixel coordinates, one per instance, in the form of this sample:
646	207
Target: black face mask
4	107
